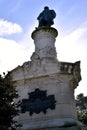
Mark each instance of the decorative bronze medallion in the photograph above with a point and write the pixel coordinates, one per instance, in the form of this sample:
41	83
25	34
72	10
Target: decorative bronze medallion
38	101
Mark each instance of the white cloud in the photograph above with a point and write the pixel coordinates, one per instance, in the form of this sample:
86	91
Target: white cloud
7	27
27	41
71	49
12	54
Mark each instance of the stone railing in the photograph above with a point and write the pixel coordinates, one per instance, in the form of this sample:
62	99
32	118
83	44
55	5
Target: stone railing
72	69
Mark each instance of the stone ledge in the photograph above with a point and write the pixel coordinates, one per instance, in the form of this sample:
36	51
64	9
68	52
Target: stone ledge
55	124
65	128
46	29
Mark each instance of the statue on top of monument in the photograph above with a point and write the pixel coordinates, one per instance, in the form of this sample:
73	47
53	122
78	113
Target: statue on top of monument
46	17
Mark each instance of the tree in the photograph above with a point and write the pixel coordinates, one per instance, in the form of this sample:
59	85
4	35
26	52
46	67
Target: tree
81	104
8	108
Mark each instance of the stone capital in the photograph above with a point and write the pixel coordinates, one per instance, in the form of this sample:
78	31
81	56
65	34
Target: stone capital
45	30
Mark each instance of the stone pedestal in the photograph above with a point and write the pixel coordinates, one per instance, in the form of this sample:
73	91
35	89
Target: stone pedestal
46	86
44	39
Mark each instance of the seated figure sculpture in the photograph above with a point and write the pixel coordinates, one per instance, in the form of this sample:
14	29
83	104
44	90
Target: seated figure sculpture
46	17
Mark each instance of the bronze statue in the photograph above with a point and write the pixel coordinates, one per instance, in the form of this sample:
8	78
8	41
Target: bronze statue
46	17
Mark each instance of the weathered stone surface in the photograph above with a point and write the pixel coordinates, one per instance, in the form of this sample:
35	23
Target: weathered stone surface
45	72
44	39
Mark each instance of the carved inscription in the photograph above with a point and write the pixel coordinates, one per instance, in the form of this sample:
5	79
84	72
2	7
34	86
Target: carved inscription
38	101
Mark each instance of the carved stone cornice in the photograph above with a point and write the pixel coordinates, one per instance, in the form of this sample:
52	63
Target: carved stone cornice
45	30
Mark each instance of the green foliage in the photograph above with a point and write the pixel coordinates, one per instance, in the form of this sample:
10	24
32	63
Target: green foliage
81	103
8	108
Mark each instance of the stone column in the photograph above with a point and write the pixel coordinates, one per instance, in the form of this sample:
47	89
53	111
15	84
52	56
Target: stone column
44	39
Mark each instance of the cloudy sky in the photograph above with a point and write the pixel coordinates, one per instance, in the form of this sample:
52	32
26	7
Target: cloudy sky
18	19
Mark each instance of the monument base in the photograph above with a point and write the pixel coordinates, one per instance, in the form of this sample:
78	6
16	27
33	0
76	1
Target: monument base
64	128
58	124
46	87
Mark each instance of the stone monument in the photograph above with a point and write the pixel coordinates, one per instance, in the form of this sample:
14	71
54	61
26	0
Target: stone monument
45	85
